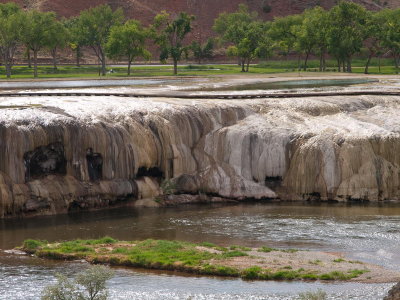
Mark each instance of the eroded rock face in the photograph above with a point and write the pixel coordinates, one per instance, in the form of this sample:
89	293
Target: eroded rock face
325	148
394	293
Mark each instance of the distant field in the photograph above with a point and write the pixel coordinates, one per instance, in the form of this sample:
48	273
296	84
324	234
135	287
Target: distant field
269	67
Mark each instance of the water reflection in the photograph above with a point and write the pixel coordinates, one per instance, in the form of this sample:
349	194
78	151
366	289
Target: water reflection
365	232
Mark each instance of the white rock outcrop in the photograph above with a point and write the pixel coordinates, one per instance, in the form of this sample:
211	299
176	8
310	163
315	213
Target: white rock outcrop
327	148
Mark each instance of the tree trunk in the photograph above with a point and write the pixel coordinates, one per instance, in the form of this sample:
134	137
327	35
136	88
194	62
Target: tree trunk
78	56
323	63
129	67
320	62
379	64
349	65
8	69
35	71
248	64
28	54
298	62
305	61
243	63
103	64
367	64
344	66
54	56
175	67
338	64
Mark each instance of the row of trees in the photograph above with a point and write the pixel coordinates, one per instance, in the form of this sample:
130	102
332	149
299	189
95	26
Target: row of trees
342	32
99	28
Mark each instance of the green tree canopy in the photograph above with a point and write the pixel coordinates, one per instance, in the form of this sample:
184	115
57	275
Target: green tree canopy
38	32
312	34
60	37
128	41
93	28
12	23
391	34
347	31
284	33
243	31
170	33
202	51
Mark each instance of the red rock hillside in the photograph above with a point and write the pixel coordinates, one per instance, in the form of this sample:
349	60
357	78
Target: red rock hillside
205	10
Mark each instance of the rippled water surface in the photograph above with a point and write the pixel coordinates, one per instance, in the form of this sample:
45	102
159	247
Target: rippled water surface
366	232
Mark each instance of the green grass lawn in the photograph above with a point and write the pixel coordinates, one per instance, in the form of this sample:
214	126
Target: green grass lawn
269	67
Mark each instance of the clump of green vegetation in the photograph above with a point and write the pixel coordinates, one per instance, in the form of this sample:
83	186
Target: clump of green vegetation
207	244
318	295
337	275
339	260
239	248
33	244
234	253
88	285
252	273
315	262
266	249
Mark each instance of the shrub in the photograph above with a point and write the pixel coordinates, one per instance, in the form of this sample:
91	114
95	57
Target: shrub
318	295
251	273
88	285
32	244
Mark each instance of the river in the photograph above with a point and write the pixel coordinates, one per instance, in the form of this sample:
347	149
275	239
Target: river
367	232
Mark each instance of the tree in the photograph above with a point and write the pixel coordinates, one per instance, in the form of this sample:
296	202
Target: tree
11	29
94	26
346	33
38	32
88	285
374	35
75	39
202	51
59	39
170	35
312	35
283	32
128	41
391	36
243	31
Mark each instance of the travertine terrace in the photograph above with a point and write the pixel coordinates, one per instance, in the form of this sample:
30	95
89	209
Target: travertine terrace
62	152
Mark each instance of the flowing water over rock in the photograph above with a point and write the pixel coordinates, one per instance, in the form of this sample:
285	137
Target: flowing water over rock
331	227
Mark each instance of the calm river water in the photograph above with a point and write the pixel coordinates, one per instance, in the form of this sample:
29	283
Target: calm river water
365	232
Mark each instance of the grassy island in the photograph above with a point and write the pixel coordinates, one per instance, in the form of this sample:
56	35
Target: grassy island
204	259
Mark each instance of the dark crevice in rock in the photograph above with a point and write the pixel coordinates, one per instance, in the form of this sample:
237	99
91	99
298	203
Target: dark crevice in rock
273	181
150	172
45	160
95	165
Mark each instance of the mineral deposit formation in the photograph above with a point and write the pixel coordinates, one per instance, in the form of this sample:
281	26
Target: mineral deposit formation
66	152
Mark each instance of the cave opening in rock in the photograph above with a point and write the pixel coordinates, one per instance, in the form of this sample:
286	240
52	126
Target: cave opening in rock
273	181
150	172
95	164
45	160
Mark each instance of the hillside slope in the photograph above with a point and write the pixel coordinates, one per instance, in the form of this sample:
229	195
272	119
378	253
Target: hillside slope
205	10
